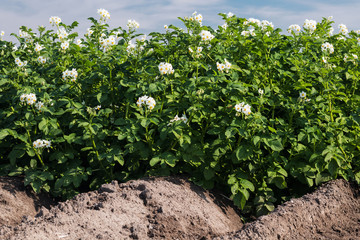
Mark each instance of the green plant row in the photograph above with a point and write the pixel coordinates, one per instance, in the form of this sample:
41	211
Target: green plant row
259	114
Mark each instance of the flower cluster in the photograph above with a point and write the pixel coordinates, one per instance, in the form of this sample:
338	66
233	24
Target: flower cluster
79	43
294	29
310	25
39	105
243	108
343	29
104	15
62	34
149	101
206	35
64	45
197	53
29	99
166	68
70	74
89	31
41	143
55	21
229	14
132	25
25	35
197	17
38	47
327	47
253	21
302	97
265	24
223	66
247	33
41	59
106	43
177	118
20	63
351	58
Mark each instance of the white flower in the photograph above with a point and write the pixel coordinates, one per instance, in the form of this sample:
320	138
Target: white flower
39	143
166	27
294	28
165	68
206	35
41	59
104	15
132	25
197	17
72	75
223	66
145	100
89	32
238	107
38	47
331	31
310	25
246	110
230	14
253	21
327	47
343	29
131	47
177	118
261	92
55	21
79	43
302	94
324	60
39	105
62	34
107	42
98	107
2	33
265	24
20	63
64	45
29	99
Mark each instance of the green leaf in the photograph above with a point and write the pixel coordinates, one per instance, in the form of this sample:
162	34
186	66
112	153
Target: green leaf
272	129
154	161
169	158
256	139
119	159
275	145
333	167
33	163
247	184
209	173
243	152
14	154
3	133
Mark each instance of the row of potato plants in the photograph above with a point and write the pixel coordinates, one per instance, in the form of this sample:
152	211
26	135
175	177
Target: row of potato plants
260	114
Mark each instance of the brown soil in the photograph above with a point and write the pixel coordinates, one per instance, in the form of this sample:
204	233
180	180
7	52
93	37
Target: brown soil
173	208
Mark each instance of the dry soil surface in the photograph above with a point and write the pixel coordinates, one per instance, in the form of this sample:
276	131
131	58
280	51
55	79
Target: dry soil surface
173	208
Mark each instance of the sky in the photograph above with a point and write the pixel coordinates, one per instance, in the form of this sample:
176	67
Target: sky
152	15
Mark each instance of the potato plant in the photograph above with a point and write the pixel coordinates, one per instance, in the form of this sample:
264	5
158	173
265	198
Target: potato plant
242	107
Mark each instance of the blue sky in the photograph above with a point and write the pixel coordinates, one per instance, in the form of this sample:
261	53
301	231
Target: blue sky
154	14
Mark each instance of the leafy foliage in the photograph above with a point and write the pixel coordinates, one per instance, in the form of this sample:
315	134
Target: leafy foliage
98	133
